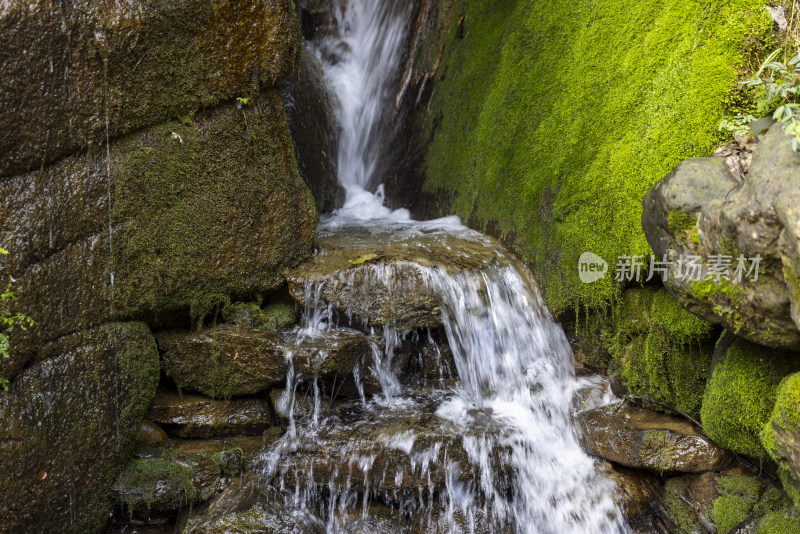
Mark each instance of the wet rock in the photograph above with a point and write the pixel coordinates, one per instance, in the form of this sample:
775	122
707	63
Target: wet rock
699	209
250	506
398	456
202	210
249	446
430	359
781	434
224	362
160	484
66	423
638	438
377	280
311	111
74	74
150	435
637	490
331	355
195	416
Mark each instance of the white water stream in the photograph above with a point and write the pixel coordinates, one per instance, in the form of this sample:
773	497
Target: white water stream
520	468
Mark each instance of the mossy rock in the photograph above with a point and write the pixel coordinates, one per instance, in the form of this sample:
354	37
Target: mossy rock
224	362
67	423
128	65
204	212
741	394
195	416
781	434
156	484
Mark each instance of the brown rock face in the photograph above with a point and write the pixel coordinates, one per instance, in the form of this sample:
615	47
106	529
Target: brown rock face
642	439
74	74
66	423
201	211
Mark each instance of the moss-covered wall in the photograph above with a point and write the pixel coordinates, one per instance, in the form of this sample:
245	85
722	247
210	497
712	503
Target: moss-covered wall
549	120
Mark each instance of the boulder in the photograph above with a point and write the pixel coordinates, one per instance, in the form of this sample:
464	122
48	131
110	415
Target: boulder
67	422
202	211
700	210
311	111
195	416
638	438
376	280
187	472
75	75
781	434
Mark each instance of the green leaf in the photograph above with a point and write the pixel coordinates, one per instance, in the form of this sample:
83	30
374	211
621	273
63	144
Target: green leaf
3	251
362	259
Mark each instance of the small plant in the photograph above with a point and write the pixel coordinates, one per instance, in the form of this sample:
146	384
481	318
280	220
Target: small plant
777	83
739	124
8	321
242	102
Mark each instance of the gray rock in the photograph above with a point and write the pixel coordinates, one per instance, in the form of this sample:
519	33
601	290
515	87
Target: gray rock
638	438
699	209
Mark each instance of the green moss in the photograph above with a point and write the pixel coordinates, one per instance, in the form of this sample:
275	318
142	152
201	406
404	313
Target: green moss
779	522
786	419
550	120
661	351
678	509
741	394
155	483
738	497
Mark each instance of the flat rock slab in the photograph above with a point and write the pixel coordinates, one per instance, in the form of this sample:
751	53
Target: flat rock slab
379	276
195	416
639	438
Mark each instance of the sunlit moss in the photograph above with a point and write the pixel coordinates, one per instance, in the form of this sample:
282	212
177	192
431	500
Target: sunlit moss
550	120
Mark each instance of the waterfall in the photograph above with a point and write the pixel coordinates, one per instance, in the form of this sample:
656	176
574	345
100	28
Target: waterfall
493	452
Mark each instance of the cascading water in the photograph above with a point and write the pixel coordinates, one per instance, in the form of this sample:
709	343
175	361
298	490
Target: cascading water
491	452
